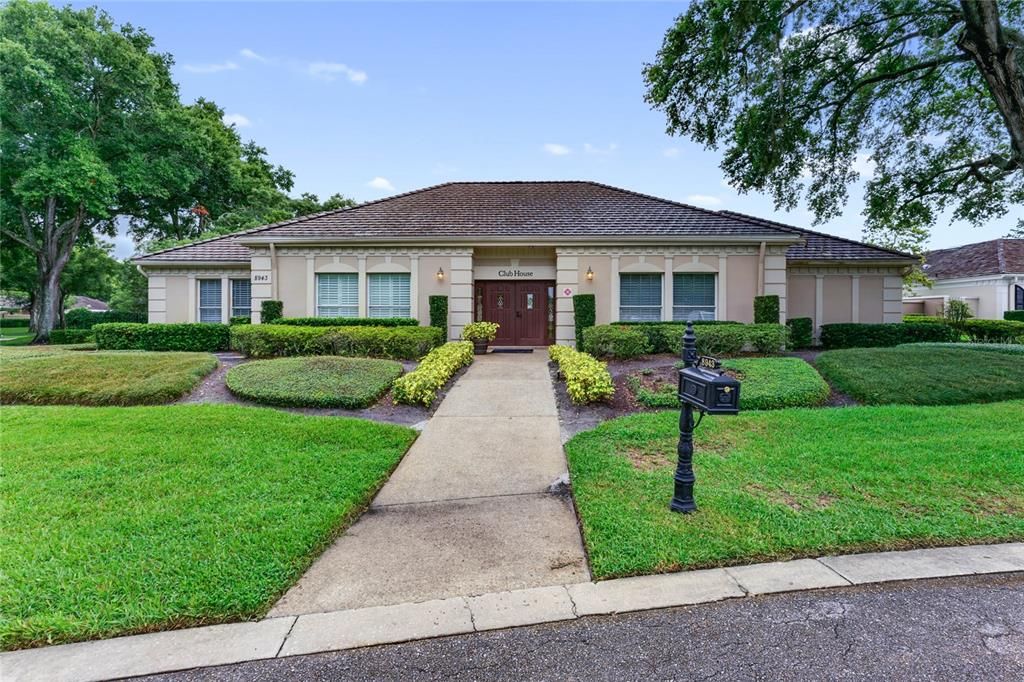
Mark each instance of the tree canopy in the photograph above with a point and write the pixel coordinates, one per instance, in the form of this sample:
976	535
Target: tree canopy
797	91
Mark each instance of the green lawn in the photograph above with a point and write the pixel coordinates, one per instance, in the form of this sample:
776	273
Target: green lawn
799	482
322	381
927	375
54	376
16	336
767	384
122	520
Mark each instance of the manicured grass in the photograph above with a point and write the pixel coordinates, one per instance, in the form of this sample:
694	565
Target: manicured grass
59	377
16	336
800	482
1013	348
926	375
767	384
121	520
322	381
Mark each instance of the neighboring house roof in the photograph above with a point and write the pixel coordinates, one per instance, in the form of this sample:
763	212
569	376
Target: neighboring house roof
514	210
994	257
93	304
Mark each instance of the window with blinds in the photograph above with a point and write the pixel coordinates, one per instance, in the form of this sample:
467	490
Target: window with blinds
389	295
640	298
209	300
337	295
693	296
241	298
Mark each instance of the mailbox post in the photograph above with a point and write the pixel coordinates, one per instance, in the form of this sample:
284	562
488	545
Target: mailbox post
704	387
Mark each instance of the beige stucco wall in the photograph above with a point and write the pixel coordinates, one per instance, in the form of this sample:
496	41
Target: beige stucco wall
829	295
172	291
988	297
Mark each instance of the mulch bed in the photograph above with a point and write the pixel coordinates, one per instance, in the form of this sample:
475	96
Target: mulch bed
214	390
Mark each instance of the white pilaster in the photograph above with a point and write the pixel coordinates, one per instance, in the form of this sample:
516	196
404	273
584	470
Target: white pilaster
667	291
225	300
613	296
721	307
310	286
414	287
567	277
364	292
193	306
855	298
819	304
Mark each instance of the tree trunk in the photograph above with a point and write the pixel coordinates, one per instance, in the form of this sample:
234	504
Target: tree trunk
46	309
985	41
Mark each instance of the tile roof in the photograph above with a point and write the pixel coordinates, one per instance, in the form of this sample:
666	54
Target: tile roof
520	210
821	246
994	257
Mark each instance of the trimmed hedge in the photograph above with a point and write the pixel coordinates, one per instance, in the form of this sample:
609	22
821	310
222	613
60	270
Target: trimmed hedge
857	335
66	336
993	331
439	313
925	319
587	379
162	337
616	342
349	321
14	323
801	332
240	319
420	386
1014	315
80	318
585	315
623	341
766	309
323	381
278	340
271	311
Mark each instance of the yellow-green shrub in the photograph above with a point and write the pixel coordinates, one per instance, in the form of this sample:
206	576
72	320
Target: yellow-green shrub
586	378
420	386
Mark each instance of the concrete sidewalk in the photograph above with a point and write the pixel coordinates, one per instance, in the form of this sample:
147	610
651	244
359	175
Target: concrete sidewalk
467	511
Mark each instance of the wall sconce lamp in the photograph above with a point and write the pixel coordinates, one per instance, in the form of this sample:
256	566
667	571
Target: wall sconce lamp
440	274
590	274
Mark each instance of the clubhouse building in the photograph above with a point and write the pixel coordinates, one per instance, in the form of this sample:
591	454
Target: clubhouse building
516	253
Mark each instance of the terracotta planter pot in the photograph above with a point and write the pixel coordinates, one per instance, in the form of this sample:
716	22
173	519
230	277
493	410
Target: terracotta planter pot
480	347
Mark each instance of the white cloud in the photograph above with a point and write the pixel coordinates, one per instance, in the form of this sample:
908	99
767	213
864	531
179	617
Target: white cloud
703	200
329	71
599	151
237	120
382	184
252	54
211	68
864	165
671	152
556	149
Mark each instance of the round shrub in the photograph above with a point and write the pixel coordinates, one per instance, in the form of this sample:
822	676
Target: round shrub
350	383
615	341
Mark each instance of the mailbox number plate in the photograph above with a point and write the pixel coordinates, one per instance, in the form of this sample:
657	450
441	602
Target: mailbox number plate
708	362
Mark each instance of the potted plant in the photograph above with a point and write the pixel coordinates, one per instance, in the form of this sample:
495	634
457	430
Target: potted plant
481	334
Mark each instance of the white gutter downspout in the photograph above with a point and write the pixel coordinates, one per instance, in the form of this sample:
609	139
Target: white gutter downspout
760	269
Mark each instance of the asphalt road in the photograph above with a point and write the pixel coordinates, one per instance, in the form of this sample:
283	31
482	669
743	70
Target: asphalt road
947	629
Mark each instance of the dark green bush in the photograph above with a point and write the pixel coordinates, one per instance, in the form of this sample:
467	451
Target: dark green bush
14	323
585	315
350	383
240	319
349	321
162	337
857	335
272	340
1014	315
80	318
766	309
63	336
801	332
271	311
678	323
994	331
614	341
667	337
924	319
765	338
439	313
726	339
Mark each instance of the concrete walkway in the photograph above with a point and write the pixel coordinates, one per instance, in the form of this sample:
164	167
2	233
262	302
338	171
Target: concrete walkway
467	511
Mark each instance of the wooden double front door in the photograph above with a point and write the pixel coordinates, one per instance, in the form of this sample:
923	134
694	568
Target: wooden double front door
524	311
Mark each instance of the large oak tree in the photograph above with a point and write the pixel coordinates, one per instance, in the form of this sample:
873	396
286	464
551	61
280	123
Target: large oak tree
795	90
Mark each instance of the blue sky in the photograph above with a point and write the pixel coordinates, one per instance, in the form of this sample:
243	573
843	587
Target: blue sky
373	99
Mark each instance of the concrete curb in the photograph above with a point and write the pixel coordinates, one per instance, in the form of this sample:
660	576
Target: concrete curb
318	632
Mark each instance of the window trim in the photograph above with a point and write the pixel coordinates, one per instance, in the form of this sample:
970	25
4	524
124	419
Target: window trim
660	278
199	300
342	308
714	289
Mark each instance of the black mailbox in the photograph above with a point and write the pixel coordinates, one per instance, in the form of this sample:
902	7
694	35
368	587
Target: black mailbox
709	390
